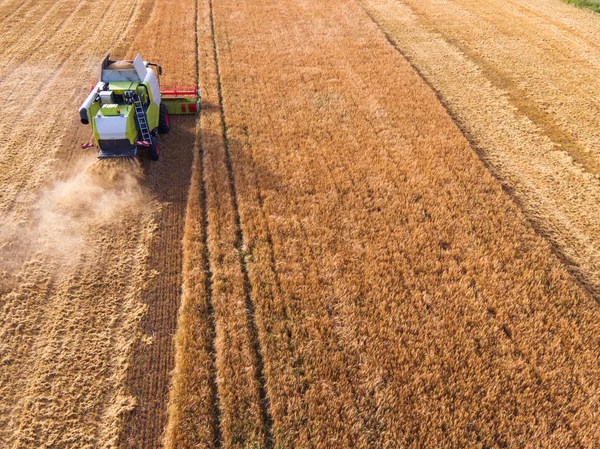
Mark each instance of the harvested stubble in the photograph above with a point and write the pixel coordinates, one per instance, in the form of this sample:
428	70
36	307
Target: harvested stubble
167	38
73	247
400	297
72	347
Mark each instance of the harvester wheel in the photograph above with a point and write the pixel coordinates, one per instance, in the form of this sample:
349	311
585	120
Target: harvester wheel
164	124
153	150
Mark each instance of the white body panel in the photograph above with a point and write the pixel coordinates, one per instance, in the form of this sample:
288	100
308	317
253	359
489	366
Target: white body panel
140	67
110	128
152	81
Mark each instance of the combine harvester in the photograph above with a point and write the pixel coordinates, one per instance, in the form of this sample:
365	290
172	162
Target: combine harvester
127	109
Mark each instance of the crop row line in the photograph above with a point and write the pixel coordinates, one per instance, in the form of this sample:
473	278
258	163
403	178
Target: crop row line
214	392
266	417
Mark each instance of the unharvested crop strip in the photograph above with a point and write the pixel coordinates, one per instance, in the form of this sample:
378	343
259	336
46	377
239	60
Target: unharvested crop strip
267	420
502	328
554	131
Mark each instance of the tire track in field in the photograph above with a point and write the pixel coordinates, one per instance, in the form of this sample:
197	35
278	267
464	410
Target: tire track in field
215	411
205	261
267	419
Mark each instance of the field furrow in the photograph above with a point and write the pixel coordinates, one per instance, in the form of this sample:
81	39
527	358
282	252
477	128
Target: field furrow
242	415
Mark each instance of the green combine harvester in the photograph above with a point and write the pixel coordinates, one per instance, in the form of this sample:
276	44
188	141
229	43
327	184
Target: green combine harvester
127	110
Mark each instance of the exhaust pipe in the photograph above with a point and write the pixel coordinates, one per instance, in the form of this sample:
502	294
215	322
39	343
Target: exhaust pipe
83	109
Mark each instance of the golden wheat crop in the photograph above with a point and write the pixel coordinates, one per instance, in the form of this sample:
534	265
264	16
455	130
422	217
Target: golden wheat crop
318	260
400	297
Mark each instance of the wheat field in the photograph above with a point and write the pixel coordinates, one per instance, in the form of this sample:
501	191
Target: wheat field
379	232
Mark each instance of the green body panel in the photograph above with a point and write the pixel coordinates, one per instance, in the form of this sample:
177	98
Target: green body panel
92	111
178	106
131	131
110	110
121	86
153	116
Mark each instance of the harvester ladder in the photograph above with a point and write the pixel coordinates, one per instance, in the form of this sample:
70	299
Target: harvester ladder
140	115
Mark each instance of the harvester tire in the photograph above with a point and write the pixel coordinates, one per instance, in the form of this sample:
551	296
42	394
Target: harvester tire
164	123
153	150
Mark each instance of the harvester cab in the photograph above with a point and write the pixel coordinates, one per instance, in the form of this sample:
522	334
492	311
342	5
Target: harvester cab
127	109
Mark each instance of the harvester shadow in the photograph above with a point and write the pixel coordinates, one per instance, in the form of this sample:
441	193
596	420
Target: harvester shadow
207	107
167	181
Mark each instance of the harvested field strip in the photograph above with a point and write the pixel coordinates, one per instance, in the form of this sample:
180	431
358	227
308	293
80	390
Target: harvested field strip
70	300
152	360
415	307
72	272
10	9
56	383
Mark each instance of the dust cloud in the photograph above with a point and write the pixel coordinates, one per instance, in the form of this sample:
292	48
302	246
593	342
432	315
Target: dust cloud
99	193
